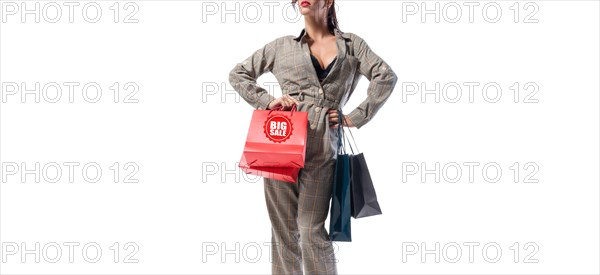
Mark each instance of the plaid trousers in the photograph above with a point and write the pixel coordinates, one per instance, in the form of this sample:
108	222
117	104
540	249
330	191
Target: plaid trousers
300	243
298	210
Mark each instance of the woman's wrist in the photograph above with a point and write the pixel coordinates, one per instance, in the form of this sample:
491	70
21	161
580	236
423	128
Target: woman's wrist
269	106
348	121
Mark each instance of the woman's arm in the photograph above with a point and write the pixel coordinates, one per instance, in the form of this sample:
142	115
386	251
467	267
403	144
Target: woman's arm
243	76
382	82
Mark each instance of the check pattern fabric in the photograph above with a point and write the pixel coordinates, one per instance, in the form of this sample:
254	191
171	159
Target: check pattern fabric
300	242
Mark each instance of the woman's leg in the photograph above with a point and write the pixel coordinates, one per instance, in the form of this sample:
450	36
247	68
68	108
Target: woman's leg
315	185
282	205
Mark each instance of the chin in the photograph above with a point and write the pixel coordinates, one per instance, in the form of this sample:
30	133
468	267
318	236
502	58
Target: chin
306	11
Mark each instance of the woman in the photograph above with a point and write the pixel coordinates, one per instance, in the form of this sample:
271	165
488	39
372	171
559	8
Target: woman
317	71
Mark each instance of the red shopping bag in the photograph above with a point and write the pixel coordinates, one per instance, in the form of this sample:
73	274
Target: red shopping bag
276	138
279	173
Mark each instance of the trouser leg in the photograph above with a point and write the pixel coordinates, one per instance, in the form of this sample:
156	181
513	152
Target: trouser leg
315	186
282	205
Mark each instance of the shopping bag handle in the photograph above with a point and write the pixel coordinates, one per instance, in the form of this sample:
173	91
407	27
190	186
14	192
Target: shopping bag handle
353	141
339	132
342	134
280	108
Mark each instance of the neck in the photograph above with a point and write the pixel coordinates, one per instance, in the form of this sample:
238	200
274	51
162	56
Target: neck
316	29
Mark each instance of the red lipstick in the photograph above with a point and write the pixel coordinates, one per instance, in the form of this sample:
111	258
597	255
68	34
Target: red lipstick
304	3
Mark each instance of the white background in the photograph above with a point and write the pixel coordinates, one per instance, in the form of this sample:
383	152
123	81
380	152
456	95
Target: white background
186	139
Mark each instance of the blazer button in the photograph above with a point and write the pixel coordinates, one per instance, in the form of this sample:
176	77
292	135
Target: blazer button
317	109
321	90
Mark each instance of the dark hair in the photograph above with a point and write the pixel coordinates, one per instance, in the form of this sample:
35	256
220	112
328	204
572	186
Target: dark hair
332	23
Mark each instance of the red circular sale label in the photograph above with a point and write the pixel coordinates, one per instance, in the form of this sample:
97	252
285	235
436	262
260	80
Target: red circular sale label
278	128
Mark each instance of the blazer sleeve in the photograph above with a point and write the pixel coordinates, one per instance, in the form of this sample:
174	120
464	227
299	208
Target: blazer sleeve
382	82
244	75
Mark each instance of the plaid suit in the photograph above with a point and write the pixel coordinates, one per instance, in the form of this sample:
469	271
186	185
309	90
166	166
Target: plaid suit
298	210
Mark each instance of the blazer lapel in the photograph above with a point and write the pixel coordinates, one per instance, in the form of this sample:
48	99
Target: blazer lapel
341	57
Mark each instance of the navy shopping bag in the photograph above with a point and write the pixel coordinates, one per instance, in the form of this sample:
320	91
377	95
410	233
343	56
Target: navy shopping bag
362	192
364	199
339	219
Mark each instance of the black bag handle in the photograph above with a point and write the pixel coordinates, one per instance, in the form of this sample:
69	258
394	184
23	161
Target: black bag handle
341	146
353	141
342	135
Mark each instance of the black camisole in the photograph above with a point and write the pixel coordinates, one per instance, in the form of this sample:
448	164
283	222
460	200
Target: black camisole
321	73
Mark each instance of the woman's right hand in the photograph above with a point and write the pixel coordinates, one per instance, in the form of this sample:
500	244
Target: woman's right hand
286	101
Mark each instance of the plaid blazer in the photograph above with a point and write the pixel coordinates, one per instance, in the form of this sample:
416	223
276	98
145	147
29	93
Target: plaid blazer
288	58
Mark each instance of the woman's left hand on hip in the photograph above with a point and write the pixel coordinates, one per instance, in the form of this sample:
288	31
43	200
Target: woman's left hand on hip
334	119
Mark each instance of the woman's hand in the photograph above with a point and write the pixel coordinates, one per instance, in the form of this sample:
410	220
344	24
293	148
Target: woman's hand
286	101
334	118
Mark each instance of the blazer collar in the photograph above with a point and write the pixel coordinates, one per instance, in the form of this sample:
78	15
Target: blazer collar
341	44
300	38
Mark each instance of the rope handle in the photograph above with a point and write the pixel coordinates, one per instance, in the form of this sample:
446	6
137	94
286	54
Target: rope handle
353	141
343	137
280	108
341	148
